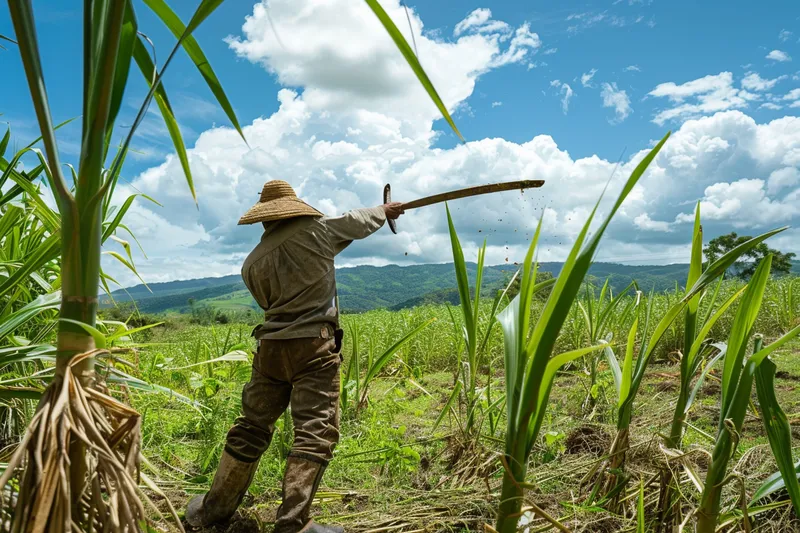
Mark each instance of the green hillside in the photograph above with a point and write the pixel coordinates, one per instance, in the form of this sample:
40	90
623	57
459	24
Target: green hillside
363	288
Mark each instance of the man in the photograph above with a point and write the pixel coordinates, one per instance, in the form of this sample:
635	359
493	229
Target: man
291	276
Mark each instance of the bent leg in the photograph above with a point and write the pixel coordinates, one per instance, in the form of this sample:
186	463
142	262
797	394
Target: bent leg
264	399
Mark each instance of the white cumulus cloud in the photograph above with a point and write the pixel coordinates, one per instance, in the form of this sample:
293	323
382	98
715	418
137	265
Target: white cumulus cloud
779	55
617	99
586	77
753	82
338	143
706	95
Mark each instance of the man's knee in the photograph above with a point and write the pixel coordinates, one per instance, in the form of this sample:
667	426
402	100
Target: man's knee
315	411
263	402
247	441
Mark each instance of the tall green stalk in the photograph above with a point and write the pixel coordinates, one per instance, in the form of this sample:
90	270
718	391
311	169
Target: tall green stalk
109	36
601	322
689	333
470	308
530	366
738	375
613	482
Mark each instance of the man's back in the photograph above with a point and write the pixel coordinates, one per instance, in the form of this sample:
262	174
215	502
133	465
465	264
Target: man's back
291	275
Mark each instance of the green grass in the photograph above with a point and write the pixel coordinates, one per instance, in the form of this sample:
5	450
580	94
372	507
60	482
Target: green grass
390	464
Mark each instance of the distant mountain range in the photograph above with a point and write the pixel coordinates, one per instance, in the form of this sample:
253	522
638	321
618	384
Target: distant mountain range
363	288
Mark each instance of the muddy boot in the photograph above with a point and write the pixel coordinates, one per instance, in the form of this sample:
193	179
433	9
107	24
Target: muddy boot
300	483
230	484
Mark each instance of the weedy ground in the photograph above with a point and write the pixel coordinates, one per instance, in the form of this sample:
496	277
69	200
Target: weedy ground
392	472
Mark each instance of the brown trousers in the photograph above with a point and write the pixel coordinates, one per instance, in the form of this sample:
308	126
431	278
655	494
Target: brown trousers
303	373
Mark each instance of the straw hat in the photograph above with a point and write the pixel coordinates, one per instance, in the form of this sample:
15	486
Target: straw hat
278	201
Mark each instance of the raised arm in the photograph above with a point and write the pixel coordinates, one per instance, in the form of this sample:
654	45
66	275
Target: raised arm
359	223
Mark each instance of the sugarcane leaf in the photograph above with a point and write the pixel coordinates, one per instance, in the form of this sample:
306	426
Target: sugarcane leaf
23	182
722	348
695	269
559	303
4	142
640	517
616	371
25	29
543	285
608	312
148	69
125	332
202	12
98	336
413	62
764	352
527	285
127	264
462	279
773	484
498	299
553	366
627	366
195	53
385	357
478	282
647	350
121	212
693	476
741	330
20	393
704	331
127	40
117	376
777	427
46	252
30	352
448	406
509	323
234	356
721	265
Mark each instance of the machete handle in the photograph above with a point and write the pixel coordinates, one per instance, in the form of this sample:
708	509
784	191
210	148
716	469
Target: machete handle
387	198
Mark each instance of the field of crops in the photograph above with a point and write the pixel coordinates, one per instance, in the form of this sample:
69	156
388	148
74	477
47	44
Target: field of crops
558	404
553	405
407	459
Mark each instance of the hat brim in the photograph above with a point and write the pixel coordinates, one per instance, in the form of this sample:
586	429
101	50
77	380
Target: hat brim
279	209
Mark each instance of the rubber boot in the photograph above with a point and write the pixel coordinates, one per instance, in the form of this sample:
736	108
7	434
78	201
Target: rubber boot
300	483
230	484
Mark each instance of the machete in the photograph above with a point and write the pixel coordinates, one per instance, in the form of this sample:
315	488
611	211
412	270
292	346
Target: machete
460	193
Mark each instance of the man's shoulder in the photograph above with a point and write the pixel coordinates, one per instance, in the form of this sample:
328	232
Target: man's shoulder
293	231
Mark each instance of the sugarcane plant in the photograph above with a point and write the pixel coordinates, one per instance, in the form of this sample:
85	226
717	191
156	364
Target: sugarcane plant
738	374
785	298
354	388
601	321
94	485
468	366
612	479
699	353
473	332
530	367
96	481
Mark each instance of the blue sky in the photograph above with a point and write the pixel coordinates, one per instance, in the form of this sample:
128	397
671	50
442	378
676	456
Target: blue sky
559	93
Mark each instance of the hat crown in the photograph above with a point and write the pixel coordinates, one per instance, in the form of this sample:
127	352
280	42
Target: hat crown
275	190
